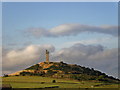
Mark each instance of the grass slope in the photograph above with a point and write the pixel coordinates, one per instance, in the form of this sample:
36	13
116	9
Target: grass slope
41	82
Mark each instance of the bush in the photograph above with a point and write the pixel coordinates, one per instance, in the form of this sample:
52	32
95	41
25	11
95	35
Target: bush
16	75
50	72
34	67
25	73
5	75
61	62
54	81
101	78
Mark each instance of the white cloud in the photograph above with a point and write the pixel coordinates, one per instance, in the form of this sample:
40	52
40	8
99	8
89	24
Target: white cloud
38	32
19	59
71	30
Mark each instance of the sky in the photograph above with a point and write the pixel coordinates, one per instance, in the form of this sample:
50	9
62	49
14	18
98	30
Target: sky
60	1
87	29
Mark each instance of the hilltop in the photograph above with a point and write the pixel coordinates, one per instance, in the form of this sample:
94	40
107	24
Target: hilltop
64	70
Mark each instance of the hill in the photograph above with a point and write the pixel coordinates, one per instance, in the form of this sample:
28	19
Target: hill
64	70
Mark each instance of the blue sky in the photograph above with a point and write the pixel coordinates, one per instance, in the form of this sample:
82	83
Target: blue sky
20	16
79	27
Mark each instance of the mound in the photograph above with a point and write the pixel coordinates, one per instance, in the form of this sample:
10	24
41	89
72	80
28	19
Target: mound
64	70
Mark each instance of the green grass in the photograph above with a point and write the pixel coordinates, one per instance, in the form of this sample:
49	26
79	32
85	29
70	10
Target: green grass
35	82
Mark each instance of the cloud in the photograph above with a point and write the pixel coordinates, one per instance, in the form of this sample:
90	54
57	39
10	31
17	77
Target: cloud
38	32
71	30
90	41
90	56
94	56
78	52
15	60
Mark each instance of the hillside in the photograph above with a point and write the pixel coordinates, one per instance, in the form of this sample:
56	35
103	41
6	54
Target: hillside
63	70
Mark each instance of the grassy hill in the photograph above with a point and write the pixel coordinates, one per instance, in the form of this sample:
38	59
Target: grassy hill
69	71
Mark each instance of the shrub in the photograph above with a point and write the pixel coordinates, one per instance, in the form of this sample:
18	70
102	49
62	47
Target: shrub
101	78
16	75
34	67
54	81
5	75
50	72
25	73
61	62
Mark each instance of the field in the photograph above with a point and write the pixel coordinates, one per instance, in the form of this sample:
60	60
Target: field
42	82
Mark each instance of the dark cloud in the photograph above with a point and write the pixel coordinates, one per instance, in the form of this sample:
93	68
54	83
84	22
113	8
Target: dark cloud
72	29
91	56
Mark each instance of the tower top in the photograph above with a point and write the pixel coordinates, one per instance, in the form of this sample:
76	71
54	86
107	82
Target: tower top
47	52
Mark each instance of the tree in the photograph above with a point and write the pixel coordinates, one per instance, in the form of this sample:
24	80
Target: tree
54	81
5	75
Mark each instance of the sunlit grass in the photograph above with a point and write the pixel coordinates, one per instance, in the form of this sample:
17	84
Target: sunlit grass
36	82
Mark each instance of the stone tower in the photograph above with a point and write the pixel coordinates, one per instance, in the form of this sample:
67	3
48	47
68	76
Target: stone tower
47	56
